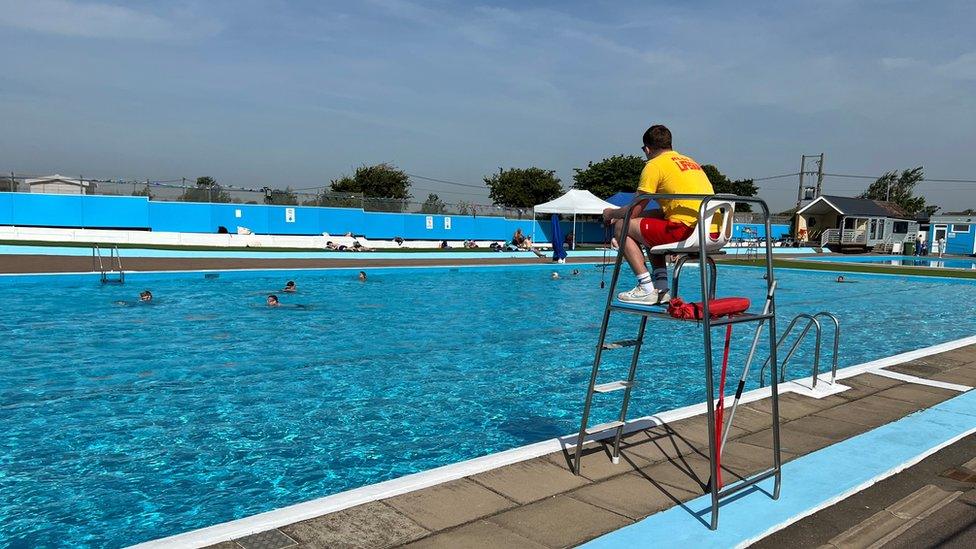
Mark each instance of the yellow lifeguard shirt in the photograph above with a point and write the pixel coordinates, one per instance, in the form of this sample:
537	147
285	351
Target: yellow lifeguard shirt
674	173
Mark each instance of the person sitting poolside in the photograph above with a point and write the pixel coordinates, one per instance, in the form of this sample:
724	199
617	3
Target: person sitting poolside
398	240
362	276
330	245
518	239
145	296
666	172
290	287
444	245
272	301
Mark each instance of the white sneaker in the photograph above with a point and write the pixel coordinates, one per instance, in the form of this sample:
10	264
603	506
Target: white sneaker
641	296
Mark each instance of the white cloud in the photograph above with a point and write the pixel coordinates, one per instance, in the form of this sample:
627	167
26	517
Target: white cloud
960	68
100	20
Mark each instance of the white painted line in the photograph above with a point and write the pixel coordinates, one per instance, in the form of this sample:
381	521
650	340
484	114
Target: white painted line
424	479
922	380
867	484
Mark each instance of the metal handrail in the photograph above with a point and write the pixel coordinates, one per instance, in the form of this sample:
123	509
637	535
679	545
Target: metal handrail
811	322
836	321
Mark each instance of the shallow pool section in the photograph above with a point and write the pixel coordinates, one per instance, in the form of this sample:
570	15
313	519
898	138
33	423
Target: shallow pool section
124	422
901	260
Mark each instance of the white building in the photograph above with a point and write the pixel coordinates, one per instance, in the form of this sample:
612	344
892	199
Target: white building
58	184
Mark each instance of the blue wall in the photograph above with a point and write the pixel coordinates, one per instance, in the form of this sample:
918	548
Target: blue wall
956	243
138	212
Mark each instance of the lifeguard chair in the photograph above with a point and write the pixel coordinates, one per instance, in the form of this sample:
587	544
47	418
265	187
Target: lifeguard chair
701	245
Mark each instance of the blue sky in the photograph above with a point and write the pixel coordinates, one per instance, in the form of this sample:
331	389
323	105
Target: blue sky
296	93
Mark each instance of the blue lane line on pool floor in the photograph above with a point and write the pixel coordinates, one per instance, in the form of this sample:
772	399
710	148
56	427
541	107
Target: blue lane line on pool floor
826	475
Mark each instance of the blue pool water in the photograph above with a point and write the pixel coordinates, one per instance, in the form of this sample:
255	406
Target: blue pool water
905	260
128	423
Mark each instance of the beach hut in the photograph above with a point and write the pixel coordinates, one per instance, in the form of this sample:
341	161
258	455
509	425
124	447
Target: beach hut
58	184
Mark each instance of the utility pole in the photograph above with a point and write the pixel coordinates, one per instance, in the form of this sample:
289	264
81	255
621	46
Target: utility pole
810	193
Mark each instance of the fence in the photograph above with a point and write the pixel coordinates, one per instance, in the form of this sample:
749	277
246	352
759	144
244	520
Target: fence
188	191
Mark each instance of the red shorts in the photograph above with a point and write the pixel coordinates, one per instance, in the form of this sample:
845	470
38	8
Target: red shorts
657	231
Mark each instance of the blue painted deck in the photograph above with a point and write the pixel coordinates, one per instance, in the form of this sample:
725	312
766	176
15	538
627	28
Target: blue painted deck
810	483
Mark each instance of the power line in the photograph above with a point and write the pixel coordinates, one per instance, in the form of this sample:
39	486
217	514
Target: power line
445	181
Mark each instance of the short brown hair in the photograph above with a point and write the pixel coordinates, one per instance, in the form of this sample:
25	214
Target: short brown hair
657	137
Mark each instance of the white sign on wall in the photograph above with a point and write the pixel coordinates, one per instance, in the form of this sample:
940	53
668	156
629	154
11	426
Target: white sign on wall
430	222
289	215
237	214
447	223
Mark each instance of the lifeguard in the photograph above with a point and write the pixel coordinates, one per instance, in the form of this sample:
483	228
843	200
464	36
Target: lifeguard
666	172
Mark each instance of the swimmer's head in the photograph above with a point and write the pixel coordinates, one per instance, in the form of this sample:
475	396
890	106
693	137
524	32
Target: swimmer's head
575	272
554	275
145	296
362	275
272	300
289	286
840	278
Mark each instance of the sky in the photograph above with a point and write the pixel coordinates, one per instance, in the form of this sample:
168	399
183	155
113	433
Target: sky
297	93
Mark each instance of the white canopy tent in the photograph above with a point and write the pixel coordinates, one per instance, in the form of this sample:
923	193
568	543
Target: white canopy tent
574	202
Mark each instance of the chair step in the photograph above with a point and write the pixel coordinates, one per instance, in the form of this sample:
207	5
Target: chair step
620	344
603	427
612	386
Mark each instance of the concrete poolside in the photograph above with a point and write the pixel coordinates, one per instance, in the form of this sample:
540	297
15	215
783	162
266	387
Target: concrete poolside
540	503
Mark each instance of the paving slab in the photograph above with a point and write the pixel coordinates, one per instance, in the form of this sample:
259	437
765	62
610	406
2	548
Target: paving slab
269	539
919	394
827	427
596	463
872	411
372	525
632	495
866	385
657	444
793	406
963	354
449	504
529	481
791	441
560	521
477	535
963	375
224	545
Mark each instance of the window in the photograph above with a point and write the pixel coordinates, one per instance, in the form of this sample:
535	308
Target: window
956	228
900	227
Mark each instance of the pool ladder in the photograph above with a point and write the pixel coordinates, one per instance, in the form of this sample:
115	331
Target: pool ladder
812	322
114	265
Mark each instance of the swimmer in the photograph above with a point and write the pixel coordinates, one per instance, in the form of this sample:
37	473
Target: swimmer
290	287
145	296
273	301
554	276
576	272
362	276
840	280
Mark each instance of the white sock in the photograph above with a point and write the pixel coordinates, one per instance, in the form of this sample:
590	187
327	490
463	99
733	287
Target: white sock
644	281
660	278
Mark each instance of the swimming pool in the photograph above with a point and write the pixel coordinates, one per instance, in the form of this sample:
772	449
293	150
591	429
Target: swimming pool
128	423
902	260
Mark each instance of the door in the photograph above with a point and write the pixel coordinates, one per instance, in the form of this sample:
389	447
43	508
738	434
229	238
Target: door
938	232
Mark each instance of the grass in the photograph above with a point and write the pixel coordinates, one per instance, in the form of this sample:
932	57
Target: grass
857	268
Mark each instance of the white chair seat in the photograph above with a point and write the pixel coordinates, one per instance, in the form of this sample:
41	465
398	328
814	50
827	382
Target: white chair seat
691	244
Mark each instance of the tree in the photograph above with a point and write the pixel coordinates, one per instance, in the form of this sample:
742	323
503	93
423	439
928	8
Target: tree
723	185
145	191
207	190
619	173
898	189
523	187
433	205
280	197
385	187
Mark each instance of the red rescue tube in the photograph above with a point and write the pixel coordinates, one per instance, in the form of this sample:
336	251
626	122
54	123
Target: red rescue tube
723	306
